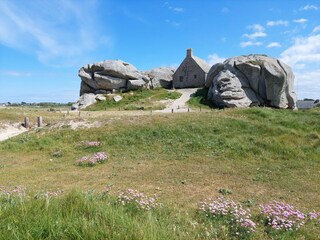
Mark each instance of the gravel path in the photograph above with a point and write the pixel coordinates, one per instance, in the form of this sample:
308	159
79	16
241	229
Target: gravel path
180	104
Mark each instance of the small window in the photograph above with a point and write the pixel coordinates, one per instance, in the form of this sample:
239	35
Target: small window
181	78
195	76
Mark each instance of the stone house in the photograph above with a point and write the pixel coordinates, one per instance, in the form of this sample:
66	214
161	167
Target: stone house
307	103
192	72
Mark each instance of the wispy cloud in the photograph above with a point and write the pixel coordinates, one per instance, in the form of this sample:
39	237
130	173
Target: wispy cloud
300	20
176	9
214	58
277	23
15	73
304	50
258	32
316	29
309	7
304	57
173	23
250	43
56	31
173	8
273	44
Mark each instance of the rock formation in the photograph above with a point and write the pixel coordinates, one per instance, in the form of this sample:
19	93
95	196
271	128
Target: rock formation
253	80
160	77
115	75
106	76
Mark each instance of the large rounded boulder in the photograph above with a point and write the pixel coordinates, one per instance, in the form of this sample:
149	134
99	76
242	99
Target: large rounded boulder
161	77
110	75
253	80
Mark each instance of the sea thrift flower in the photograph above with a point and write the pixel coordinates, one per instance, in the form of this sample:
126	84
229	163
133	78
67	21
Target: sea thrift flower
98	157
282	216
314	215
139	199
228	209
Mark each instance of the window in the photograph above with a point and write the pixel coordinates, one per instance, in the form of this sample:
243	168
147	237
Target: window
181	78
195	76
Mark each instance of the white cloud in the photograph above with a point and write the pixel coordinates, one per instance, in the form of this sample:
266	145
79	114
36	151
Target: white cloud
277	23
173	23
316	29
273	44
55	31
258	32
15	73
300	20
250	43
304	50
304	58
214	58
176	9
309	7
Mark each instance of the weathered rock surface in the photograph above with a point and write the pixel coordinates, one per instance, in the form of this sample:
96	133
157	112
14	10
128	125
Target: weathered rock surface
110	75
253	80
88	99
160	77
84	101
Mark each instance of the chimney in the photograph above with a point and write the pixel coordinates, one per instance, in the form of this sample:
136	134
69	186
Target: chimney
189	52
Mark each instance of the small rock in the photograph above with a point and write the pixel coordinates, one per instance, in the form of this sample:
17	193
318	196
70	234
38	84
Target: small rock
117	98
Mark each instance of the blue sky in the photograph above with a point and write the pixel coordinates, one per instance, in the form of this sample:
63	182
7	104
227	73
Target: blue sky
43	43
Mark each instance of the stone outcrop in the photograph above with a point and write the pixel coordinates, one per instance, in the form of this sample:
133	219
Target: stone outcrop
87	99
253	80
160	77
115	75
110	75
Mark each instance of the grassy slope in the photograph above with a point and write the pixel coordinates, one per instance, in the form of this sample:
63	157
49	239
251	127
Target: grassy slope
136	100
259	154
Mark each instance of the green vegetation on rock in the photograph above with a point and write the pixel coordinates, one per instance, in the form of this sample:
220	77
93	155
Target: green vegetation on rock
136	100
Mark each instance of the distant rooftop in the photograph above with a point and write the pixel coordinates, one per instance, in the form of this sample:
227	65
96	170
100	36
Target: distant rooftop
307	104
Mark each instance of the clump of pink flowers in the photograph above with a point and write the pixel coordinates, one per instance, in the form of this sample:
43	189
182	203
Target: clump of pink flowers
138	199
96	158
282	216
16	191
231	211
314	216
49	194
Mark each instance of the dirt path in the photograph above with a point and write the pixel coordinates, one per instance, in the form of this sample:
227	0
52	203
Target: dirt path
180	104
10	130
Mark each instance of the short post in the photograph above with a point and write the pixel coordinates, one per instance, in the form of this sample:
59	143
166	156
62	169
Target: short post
200	108
68	112
26	122
188	109
178	107
39	121
79	113
172	110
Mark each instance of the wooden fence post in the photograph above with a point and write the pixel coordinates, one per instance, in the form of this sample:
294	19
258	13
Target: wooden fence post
39	121
26	122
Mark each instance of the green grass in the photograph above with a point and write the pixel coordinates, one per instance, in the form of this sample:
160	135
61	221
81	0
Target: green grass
257	154
136	100
199	99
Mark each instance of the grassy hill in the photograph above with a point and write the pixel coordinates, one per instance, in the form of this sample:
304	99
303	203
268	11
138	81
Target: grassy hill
251	156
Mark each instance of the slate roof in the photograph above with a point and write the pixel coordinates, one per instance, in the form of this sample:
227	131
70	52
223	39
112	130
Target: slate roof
307	104
202	63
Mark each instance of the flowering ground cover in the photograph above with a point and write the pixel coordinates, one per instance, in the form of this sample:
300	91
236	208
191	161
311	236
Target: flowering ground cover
250	156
